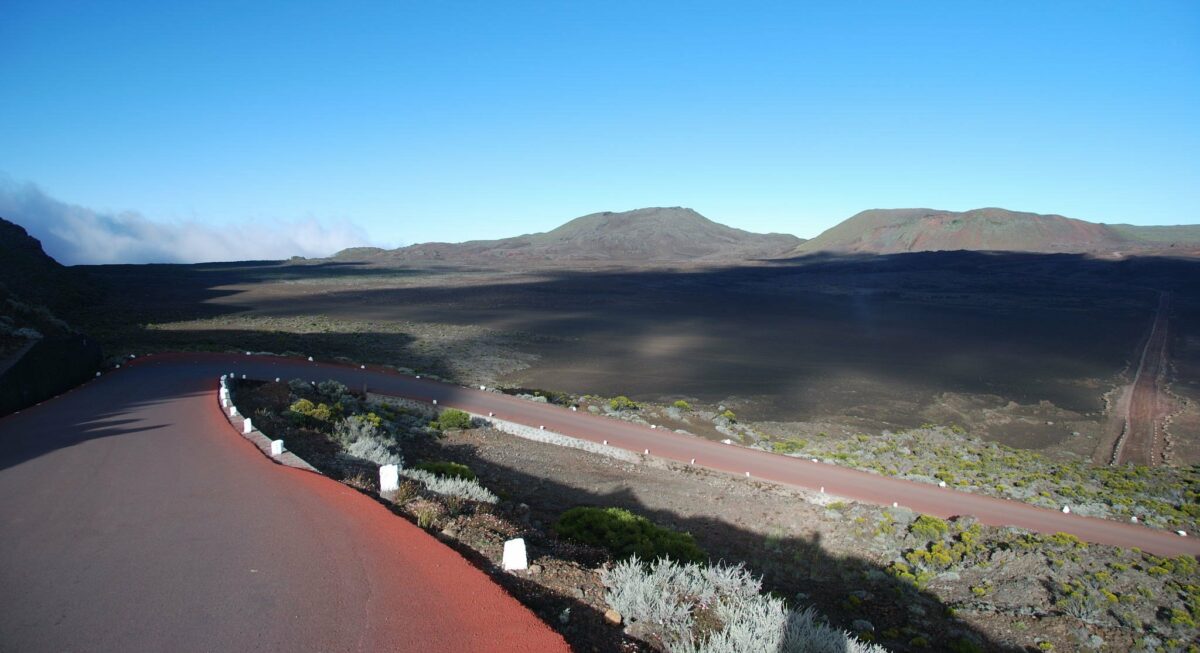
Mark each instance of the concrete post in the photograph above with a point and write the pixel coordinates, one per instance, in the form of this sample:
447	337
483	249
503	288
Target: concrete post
276	447
389	478
514	555
247	426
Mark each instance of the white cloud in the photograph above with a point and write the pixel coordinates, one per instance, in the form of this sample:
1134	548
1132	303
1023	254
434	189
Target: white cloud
75	234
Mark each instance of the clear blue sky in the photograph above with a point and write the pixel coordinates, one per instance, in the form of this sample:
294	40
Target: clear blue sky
448	121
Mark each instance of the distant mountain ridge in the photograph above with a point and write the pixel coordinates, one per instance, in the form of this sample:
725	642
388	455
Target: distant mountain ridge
650	234
675	234
893	231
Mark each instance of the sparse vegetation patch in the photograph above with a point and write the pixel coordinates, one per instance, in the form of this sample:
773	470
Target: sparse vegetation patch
625	534
1162	497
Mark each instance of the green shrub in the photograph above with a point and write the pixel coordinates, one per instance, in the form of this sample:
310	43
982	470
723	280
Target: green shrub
728	414
789	446
682	405
625	534
333	389
1066	541
454	470
452	418
304	408
371	418
623	403
929	527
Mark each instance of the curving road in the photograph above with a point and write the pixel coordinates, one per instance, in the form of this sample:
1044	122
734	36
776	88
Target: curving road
134	518
839	481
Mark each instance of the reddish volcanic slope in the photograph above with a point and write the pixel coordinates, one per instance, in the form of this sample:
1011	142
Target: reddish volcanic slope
892	231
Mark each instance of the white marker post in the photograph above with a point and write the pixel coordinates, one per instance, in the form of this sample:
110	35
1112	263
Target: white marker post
389	478
276	447
233	411
1066	510
514	555
247	426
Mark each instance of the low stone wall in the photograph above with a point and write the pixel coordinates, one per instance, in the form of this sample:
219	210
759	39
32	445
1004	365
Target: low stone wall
550	437
50	367
519	430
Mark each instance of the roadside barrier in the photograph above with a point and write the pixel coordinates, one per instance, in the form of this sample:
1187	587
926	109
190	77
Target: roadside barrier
389	478
514	555
273	448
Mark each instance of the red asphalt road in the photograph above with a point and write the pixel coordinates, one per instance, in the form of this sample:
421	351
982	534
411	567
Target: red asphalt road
134	518
798	472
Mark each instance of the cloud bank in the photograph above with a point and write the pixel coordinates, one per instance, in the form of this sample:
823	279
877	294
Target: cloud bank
75	234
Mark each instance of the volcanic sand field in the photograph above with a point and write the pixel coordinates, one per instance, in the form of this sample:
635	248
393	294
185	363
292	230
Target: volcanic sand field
1020	348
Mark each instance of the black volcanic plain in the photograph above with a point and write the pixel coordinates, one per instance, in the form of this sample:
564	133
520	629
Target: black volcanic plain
862	341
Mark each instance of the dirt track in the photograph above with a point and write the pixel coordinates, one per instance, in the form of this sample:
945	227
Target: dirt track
838	481
1142	441
134	518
